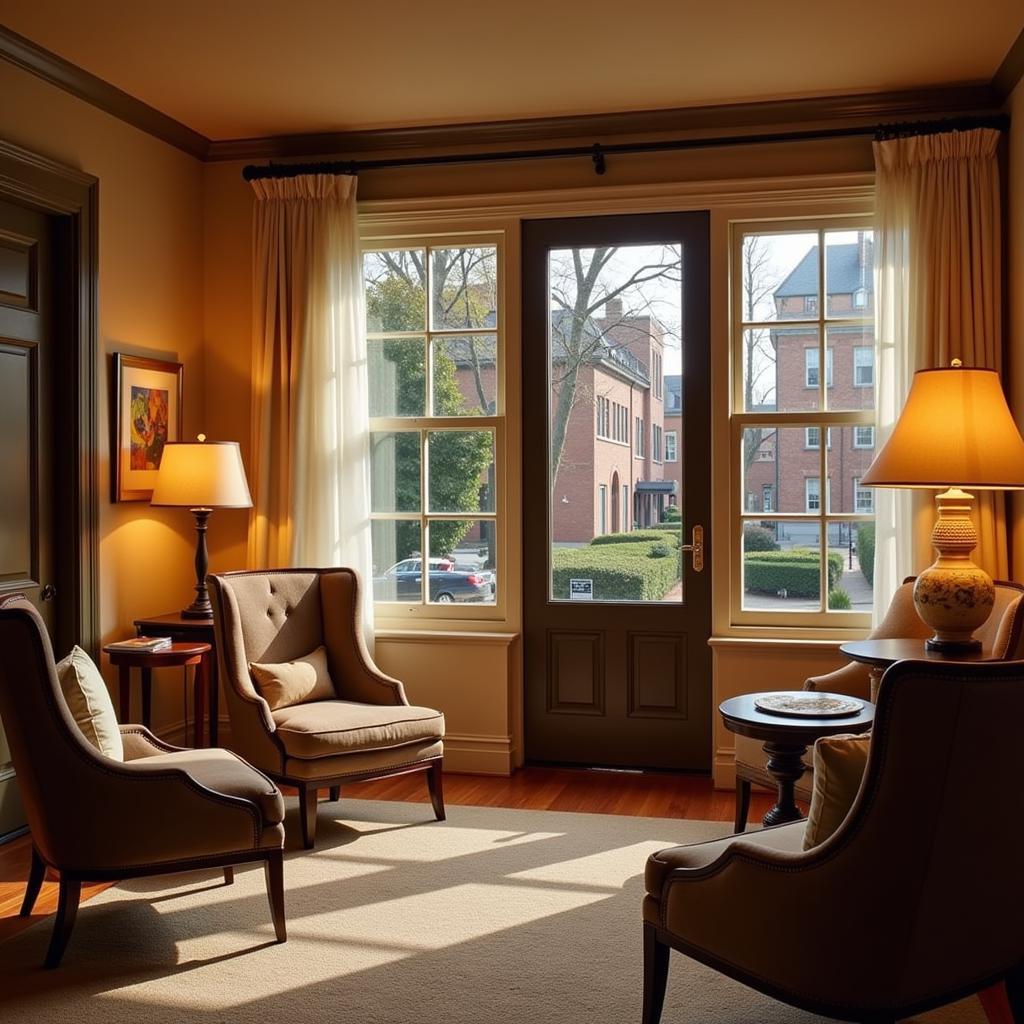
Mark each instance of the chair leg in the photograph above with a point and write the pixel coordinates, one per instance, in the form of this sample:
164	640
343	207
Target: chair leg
36	874
435	783
307	815
655	975
273	868
1015	994
335	793
67	910
742	804
229	875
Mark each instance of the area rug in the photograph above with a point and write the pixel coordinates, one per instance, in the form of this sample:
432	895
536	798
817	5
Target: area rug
496	915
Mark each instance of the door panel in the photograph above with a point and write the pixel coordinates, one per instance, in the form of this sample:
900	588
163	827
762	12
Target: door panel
616	622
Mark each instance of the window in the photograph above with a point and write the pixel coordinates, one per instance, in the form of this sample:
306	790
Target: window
863	437
656	442
863	366
670	446
602	508
656	368
860	298
434	318
864	497
795	323
625	507
639	434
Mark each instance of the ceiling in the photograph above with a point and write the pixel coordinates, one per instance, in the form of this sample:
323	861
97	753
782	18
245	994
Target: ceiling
232	69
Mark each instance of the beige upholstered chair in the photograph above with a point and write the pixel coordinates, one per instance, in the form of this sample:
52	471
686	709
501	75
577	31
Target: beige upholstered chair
915	901
1003	632
93	818
368	731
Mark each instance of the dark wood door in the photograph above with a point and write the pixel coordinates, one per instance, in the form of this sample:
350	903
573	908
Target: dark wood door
616	481
27	437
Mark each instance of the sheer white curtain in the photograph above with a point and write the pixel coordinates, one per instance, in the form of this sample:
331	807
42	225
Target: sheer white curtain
310	416
937	291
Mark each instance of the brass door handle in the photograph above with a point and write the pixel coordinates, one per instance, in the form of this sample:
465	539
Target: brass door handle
696	548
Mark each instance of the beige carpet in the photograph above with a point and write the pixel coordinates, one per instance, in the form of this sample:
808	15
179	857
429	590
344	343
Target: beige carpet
494	916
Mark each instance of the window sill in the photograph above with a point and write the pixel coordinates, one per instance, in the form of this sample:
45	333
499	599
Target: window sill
439	636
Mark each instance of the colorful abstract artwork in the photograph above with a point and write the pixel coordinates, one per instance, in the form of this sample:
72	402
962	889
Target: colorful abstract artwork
149	427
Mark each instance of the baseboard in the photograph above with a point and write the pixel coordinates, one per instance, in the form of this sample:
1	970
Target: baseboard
724	769
478	755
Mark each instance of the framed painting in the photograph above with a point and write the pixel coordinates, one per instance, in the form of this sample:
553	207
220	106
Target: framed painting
147	414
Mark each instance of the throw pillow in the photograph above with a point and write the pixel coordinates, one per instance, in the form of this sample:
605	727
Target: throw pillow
89	702
838	769
294	682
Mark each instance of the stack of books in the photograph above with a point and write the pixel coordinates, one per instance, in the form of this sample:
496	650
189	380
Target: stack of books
141	643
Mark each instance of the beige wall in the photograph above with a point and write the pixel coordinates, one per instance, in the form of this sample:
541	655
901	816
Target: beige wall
150	303
1015	296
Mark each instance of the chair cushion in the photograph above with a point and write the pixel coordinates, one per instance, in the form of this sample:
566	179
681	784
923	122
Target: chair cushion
839	763
89	702
294	682
327	728
226	773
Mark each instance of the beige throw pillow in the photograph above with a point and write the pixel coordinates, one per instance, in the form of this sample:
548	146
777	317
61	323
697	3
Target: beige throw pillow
89	702
839	763
294	682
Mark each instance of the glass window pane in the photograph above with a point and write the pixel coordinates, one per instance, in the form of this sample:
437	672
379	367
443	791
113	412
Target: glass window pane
851	548
464	371
853	350
782	566
461	470
396	547
396	290
847	462
395	471
849	273
781	369
780	277
463	288
396	375
777	463
462	561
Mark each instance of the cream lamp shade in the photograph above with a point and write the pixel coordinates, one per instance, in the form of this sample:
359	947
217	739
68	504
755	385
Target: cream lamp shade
955	431
201	475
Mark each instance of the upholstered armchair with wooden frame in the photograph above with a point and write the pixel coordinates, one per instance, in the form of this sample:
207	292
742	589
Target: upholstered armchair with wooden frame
93	818
913	902
1003	633
365	730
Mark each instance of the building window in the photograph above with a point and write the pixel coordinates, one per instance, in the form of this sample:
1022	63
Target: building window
639	434
810	303
625	508
811	365
656	442
812	437
602	508
670	446
863	437
860	298
812	494
864	366
864	497
766	498
435	351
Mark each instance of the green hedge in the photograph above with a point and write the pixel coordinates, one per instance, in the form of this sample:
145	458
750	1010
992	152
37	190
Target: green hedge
634	537
621	572
758	538
866	550
796	571
676	527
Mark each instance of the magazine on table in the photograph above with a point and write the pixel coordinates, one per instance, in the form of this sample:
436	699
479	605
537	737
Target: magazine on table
141	643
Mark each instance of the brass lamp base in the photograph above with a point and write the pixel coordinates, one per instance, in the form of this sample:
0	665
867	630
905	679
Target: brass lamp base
953	595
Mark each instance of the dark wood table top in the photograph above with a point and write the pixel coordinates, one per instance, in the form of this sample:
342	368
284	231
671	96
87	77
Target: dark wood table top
174	655
176	620
883	653
741	716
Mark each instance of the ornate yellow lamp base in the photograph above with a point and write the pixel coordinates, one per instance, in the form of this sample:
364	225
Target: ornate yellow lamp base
953	595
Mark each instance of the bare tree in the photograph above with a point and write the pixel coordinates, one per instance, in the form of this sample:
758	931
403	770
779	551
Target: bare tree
760	350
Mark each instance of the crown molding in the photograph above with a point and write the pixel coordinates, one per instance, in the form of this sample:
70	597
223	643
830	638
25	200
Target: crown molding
29	56
1011	71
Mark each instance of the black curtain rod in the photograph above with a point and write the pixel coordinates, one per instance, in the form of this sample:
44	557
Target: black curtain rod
598	151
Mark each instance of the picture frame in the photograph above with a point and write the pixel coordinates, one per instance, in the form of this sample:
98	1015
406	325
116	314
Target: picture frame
147	414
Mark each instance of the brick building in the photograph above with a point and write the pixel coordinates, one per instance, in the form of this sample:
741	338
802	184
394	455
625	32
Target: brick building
673	468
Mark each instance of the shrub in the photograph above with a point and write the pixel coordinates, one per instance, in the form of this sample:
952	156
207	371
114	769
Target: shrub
635	537
796	571
866	550
661	550
671	514
621	572
676	528
758	538
839	600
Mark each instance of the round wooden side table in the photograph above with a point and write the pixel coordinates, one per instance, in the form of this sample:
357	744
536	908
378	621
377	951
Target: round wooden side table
176	655
786	740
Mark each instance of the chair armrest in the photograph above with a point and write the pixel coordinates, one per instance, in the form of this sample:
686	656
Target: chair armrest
138	742
853	680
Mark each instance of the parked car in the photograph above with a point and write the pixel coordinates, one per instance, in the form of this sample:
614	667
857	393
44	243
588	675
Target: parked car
447	585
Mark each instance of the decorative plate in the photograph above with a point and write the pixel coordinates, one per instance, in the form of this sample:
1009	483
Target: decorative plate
807	706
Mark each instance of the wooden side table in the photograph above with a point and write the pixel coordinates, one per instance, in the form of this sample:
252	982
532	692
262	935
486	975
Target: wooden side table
189	631
178	654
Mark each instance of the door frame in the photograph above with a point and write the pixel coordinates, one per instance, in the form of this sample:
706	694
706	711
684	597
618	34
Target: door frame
71	198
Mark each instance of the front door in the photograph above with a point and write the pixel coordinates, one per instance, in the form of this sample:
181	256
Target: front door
616	483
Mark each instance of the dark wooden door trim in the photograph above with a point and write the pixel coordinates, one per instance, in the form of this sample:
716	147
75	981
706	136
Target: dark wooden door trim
71	198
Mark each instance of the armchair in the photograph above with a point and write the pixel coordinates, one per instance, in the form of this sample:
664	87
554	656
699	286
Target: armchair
93	818
914	901
367	731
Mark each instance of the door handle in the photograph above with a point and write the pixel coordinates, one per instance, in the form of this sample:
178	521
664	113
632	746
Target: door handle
696	549
49	592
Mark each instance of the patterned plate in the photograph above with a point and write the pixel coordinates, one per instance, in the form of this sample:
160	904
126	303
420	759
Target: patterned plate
809	706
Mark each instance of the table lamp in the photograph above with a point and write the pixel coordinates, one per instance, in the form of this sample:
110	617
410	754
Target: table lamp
955	431
201	475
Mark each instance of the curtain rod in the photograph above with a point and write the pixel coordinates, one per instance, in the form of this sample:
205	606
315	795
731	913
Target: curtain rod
598	151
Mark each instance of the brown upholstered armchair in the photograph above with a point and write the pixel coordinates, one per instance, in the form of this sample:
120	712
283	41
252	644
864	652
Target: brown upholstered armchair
1003	633
93	818
915	901
366	730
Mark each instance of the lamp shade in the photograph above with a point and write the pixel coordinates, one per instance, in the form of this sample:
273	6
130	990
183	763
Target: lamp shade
955	430
202	474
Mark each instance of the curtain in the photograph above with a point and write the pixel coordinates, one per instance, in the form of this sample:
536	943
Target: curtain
937	287
310	425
